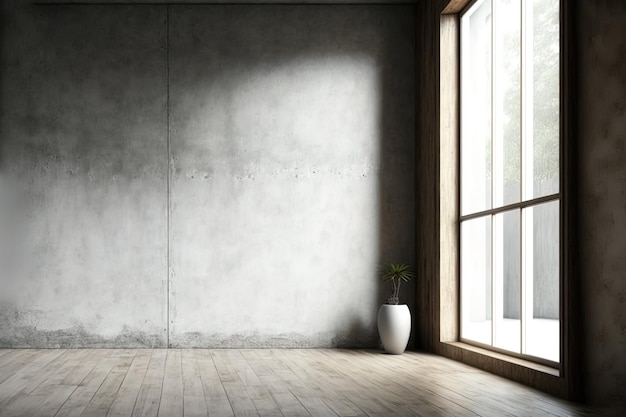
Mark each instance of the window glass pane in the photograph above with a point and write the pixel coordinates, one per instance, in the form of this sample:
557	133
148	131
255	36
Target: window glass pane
509	152
476	108
542	98
507	102
506	276
476	279
541	280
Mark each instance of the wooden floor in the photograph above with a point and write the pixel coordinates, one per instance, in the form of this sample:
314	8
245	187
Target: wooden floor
199	382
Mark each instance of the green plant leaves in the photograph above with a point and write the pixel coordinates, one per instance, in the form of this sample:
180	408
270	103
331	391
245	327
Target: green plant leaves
392	272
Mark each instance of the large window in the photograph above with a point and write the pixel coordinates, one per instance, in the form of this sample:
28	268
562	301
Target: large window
509	193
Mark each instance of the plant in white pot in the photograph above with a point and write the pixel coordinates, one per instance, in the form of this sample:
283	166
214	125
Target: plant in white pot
394	320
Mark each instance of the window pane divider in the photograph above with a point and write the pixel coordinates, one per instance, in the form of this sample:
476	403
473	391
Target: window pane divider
494	172
526	176
520	205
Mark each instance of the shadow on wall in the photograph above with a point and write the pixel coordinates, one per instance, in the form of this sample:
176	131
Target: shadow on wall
84	128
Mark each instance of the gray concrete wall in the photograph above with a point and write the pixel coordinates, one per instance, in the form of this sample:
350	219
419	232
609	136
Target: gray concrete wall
84	170
277	143
601	130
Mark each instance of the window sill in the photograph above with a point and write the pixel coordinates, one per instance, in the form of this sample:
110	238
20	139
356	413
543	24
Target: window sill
504	358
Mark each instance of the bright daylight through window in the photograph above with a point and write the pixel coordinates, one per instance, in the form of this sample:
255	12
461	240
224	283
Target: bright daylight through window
509	222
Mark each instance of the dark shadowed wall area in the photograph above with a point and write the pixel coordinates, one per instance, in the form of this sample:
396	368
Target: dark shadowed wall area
601	129
203	176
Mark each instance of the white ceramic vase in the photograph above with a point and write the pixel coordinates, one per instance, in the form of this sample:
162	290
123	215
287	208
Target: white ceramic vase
394	327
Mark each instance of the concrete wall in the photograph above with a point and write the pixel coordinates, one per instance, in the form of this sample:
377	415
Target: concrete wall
84	170
260	158
601	130
282	138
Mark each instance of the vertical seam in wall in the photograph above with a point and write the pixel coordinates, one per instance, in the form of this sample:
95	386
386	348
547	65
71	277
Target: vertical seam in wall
167	105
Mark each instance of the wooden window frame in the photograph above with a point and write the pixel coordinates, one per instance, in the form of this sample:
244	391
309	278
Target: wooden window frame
563	381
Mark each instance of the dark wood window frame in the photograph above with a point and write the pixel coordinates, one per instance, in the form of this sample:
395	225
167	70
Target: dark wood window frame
563	381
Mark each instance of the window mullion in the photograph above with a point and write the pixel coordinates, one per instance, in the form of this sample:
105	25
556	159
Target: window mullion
508	207
524	180
494	161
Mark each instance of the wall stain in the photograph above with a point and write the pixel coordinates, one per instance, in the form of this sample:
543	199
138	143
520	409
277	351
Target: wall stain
76	337
343	340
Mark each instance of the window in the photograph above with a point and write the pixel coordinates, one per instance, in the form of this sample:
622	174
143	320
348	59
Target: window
509	177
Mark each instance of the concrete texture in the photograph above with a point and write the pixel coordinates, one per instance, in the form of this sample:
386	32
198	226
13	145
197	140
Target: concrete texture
84	166
288	173
601	133
292	148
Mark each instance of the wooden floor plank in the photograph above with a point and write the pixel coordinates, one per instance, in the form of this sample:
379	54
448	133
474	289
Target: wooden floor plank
102	400
317	407
45	395
172	393
271	382
21	406
214	394
14	360
149	396
55	372
28	376
124	401
11	361
83	368
194	403
290	405
263	400
239	399
99	367
53	402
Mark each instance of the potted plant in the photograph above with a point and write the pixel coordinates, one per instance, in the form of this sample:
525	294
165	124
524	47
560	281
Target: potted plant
394	320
